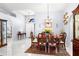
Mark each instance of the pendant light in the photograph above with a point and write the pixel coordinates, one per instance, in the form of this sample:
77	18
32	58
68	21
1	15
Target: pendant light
48	21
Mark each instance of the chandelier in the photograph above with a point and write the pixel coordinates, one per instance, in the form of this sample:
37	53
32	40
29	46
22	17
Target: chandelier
48	21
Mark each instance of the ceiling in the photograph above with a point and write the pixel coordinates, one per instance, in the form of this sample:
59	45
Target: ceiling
36	7
33	6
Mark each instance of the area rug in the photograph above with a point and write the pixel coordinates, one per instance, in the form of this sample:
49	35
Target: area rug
34	50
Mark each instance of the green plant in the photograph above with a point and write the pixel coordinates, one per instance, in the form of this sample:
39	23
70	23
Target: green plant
47	31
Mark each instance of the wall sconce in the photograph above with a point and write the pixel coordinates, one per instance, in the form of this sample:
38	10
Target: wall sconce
65	18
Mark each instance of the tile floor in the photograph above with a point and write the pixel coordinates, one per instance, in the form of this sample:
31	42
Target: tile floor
17	48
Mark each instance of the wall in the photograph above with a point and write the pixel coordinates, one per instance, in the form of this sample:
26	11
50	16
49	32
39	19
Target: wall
17	23
69	30
29	28
57	21
6	17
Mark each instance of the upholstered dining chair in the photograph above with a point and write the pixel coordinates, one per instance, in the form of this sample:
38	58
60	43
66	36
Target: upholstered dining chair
62	38
51	43
39	37
42	41
32	36
33	44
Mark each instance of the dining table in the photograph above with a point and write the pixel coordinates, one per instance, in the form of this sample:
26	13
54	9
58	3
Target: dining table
57	38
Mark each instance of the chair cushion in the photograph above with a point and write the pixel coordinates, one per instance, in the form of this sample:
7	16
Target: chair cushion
61	42
35	40
42	43
52	44
39	42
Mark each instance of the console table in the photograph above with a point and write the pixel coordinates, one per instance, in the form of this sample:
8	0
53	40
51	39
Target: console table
21	35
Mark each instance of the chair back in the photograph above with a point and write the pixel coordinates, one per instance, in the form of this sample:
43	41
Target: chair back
50	38
39	36
63	36
42	37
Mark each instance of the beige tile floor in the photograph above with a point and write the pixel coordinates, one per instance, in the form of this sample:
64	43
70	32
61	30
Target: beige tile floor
17	48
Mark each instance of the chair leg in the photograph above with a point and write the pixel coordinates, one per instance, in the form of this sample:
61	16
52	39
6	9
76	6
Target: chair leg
48	49
45	49
64	47
56	50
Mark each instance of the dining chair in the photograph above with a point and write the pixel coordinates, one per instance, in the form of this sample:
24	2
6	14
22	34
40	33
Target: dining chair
51	43
33	44
42	41
32	36
62	38
39	38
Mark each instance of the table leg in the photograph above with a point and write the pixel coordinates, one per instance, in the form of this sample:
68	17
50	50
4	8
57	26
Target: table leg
25	35
18	37
58	47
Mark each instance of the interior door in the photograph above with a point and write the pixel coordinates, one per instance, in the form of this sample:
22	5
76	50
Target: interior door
0	33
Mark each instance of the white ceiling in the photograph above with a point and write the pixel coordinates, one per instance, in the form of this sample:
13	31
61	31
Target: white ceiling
36	7
33	6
